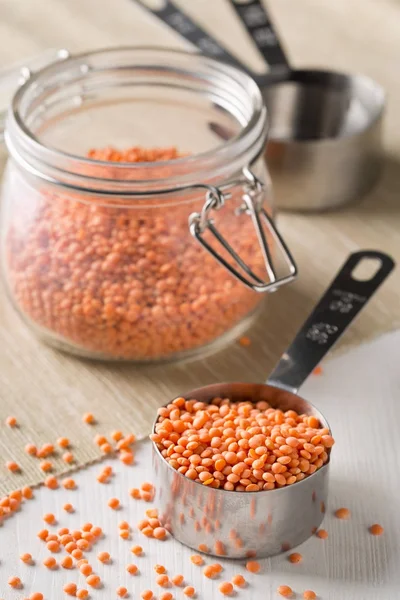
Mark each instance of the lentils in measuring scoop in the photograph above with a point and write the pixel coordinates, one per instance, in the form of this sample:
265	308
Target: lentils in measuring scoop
240	446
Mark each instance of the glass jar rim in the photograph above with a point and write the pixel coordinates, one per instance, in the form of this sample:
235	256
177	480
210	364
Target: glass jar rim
61	168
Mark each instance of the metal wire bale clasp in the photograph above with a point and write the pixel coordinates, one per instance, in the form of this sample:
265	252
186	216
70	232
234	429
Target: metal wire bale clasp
253	206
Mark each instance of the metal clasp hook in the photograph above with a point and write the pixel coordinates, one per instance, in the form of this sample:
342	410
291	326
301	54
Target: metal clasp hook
253	206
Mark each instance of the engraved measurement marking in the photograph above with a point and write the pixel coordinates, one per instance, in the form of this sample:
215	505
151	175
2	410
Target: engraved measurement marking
345	301
320	332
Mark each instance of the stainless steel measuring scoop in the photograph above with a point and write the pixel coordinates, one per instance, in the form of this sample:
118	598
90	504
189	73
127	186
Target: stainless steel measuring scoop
269	522
324	142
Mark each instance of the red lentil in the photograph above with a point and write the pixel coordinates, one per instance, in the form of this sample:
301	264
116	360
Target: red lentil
106	448
162	580
376	529
11	421
160	533
135	493
160	569
12	466
250	447
69	484
36	596
166	596
27	492
137	550
68	507
68	457
309	595
93	580
189	591
70	589
295	557
51	482
132	569
26	558
122	592
322	534
88	418
245	341
67	562
226	588
83	544
85	569
285	590
126	457
82	594
238	580
46	465
342	513
209	571
42	534
31	449
196	559
114	503
104	557
147	595
63	442
77	554
124	534
96	531
100	439
253	566
14	582
177	579
50	562
53	546
49	518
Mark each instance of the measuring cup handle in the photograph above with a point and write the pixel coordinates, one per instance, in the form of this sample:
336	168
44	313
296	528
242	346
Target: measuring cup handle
259	26
336	310
190	31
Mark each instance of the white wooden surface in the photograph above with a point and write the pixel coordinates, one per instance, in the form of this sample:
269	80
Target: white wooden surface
359	393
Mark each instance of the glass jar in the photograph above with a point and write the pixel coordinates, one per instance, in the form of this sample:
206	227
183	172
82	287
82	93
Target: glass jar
138	260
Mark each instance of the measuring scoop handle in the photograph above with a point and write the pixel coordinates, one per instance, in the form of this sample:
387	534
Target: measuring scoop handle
341	303
176	19
259	26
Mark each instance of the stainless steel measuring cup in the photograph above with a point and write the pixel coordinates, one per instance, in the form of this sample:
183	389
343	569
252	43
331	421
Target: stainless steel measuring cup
268	522
324	142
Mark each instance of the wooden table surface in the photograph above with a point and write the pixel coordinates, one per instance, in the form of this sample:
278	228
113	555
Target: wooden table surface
358	393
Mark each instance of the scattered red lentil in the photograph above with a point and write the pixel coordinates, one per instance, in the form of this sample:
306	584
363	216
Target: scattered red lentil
77	554
93	580
126	457
122	592
104	557
85	569
177	579
31	449
309	595
26	558
11	421
318	370
96	531
68	483
106	448
160	569
196	559
70	547
15	582
147	595
189	591
322	534
253	566
238	580
295	557
12	466
209	571
88	418
27	492
68	457
376	529
249	447
226	588
124	534
70	589
50	562
63	442
51	482
135	493
46	465
42	534
245	341
68	507
285	590
36	596
83	544
82	594
137	550
132	569
342	513
100	439
49	518
53	546
162	580
166	596
114	503
160	533
67	562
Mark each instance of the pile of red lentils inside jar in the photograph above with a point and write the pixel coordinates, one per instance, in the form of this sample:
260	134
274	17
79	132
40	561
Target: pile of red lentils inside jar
127	282
240	446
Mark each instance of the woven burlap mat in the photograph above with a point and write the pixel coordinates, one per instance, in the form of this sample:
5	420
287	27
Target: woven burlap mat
47	391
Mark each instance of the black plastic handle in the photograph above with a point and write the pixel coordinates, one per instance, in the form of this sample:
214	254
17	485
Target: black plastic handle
190	31
341	303
259	26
